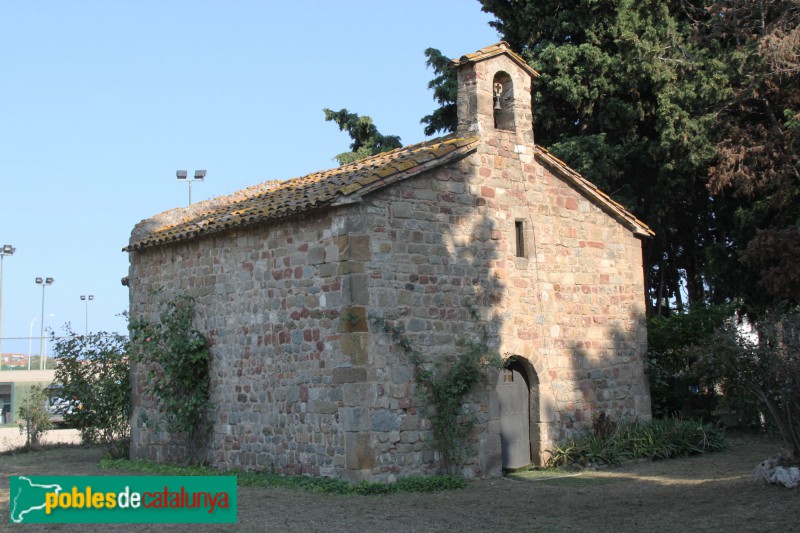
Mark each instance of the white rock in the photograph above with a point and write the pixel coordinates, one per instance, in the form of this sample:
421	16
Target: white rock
770	471
788	477
765	469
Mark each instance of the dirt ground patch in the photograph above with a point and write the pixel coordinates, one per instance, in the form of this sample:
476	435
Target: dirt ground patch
12	437
704	493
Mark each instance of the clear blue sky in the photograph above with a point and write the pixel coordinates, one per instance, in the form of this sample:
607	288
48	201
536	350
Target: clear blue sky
102	101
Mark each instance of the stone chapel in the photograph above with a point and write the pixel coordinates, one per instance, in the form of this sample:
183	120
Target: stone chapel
288	278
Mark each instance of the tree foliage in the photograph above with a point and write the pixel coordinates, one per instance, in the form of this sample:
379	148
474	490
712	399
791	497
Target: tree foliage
686	111
367	140
444	85
93	373
758	140
763	372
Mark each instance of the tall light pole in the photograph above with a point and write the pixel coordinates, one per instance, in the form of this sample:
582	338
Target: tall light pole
6	250
199	175
44	282
30	339
87	299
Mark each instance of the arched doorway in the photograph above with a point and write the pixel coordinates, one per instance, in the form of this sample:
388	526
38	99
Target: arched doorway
518	397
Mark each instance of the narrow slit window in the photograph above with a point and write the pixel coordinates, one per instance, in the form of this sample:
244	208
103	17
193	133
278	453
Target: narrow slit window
519	232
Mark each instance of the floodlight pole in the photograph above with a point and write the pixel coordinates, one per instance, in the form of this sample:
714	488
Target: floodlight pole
7	249
30	341
44	282
87	299
182	175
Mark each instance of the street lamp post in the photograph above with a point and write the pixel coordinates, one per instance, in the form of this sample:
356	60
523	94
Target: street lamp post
30	338
87	299
199	175
6	250
44	282
30	341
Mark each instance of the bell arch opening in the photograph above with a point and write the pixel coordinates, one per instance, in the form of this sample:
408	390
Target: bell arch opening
503	101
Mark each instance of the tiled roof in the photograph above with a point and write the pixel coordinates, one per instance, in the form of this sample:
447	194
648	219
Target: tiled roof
273	200
495	50
588	188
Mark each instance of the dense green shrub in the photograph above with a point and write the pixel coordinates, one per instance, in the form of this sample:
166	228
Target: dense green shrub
674	345
760	372
659	439
93	373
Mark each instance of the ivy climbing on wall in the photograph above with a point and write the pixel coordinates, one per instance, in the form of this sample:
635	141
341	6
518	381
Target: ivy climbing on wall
176	360
445	384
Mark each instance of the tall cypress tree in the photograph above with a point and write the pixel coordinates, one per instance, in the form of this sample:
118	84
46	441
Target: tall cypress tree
627	99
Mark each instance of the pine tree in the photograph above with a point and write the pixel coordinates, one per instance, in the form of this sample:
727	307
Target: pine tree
367	140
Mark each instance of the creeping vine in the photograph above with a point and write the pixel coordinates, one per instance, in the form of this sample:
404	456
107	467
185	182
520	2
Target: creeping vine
177	359
445	385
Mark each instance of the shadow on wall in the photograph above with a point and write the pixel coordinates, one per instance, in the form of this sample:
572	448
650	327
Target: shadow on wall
607	376
566	364
457	278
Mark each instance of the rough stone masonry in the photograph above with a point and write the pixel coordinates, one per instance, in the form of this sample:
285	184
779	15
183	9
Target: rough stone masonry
288	276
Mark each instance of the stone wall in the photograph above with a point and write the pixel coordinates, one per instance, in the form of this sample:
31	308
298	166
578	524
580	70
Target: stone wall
572	307
269	299
427	251
304	382
299	384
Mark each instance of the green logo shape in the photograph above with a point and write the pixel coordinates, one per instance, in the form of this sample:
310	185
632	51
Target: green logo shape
122	499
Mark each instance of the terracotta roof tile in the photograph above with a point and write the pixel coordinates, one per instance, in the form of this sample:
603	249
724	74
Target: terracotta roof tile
274	200
494	50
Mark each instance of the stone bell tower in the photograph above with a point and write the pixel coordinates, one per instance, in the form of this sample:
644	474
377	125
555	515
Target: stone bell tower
494	94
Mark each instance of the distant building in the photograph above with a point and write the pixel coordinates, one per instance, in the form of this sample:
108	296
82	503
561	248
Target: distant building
13	361
15	383
287	276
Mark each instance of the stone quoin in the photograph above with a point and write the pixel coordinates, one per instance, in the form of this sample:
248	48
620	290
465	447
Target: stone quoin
287	276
